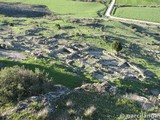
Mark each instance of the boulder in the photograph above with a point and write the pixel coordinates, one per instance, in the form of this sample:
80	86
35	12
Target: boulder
60	92
21	106
113	90
68	50
103	88
145	103
155	92
37	54
99	76
3	46
45	100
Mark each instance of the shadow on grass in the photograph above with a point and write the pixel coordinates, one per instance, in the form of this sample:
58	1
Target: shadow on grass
13	22
139	87
61	36
59	76
144	31
136	51
23	10
35	31
68	27
93	106
95	25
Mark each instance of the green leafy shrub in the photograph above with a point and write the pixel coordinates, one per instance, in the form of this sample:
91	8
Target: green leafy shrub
117	46
58	26
17	83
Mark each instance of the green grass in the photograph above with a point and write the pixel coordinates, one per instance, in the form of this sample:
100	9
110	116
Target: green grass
139	13
107	107
139	2
91	33
56	71
67	7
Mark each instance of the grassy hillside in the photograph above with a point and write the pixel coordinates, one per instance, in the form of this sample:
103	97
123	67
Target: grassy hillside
72	48
67	7
56	71
101	34
139	2
139	13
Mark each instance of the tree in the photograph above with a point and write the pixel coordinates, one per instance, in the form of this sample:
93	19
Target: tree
117	46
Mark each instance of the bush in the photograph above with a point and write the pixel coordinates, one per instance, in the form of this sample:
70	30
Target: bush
58	26
117	46
17	83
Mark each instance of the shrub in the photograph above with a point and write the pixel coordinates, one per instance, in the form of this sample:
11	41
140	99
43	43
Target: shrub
117	46
58	26
5	22
133	27
76	33
17	83
11	24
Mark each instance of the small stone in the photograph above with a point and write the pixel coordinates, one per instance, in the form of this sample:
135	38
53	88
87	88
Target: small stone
35	98
147	106
69	103
3	46
113	90
37	54
99	76
25	119
159	96
1	65
104	84
21	106
1	104
155	92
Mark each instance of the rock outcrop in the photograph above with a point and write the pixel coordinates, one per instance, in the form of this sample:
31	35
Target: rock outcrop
102	88
42	104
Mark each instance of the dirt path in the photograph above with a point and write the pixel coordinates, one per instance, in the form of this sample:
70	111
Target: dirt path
108	15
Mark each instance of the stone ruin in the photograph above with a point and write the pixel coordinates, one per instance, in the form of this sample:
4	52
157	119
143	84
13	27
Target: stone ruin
95	61
83	57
